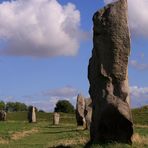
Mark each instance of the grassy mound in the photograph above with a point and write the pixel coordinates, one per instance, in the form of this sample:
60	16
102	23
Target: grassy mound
16	132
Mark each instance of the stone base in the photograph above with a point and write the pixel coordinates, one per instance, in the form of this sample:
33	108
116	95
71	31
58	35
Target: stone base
114	122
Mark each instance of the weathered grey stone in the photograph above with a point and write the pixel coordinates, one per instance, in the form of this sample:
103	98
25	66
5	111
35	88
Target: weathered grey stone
108	76
56	118
88	112
3	115
32	114
80	107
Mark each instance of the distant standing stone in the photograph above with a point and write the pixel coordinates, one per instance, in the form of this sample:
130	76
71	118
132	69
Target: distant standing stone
56	118
88	112
3	115
32	115
80	107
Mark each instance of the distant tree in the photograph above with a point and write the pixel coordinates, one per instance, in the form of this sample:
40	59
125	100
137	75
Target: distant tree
20	106
16	106
2	105
64	106
42	111
10	106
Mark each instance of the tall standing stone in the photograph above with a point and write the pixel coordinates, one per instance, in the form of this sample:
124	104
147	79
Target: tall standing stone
56	118
108	75
32	114
80	107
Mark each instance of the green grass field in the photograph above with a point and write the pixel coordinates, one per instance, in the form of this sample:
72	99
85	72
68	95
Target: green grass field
16	132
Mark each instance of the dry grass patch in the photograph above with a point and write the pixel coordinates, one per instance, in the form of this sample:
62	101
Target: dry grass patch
22	134
141	126
139	139
69	142
3	141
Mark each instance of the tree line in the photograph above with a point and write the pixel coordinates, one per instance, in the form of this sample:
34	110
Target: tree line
61	106
64	106
13	106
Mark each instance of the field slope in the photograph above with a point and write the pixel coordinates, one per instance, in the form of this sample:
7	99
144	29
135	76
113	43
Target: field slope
16	132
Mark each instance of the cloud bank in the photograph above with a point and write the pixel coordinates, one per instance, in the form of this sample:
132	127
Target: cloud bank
139	96
46	100
140	66
52	96
138	16
66	91
39	28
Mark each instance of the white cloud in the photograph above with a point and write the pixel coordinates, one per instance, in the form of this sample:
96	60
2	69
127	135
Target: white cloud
39	28
139	96
139	66
139	91
138	16
62	92
7	98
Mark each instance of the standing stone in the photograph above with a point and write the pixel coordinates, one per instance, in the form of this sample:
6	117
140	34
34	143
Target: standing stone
3	115
88	112
32	114
56	118
108	75
80	107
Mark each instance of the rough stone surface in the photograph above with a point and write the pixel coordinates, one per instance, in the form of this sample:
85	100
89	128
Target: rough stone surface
88	112
80	107
32	115
108	75
3	115
56	118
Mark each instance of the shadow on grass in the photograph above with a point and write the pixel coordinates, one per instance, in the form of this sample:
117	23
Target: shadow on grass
108	144
58	126
61	146
88	144
54	127
57	132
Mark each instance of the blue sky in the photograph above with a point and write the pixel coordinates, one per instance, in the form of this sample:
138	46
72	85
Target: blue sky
45	46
